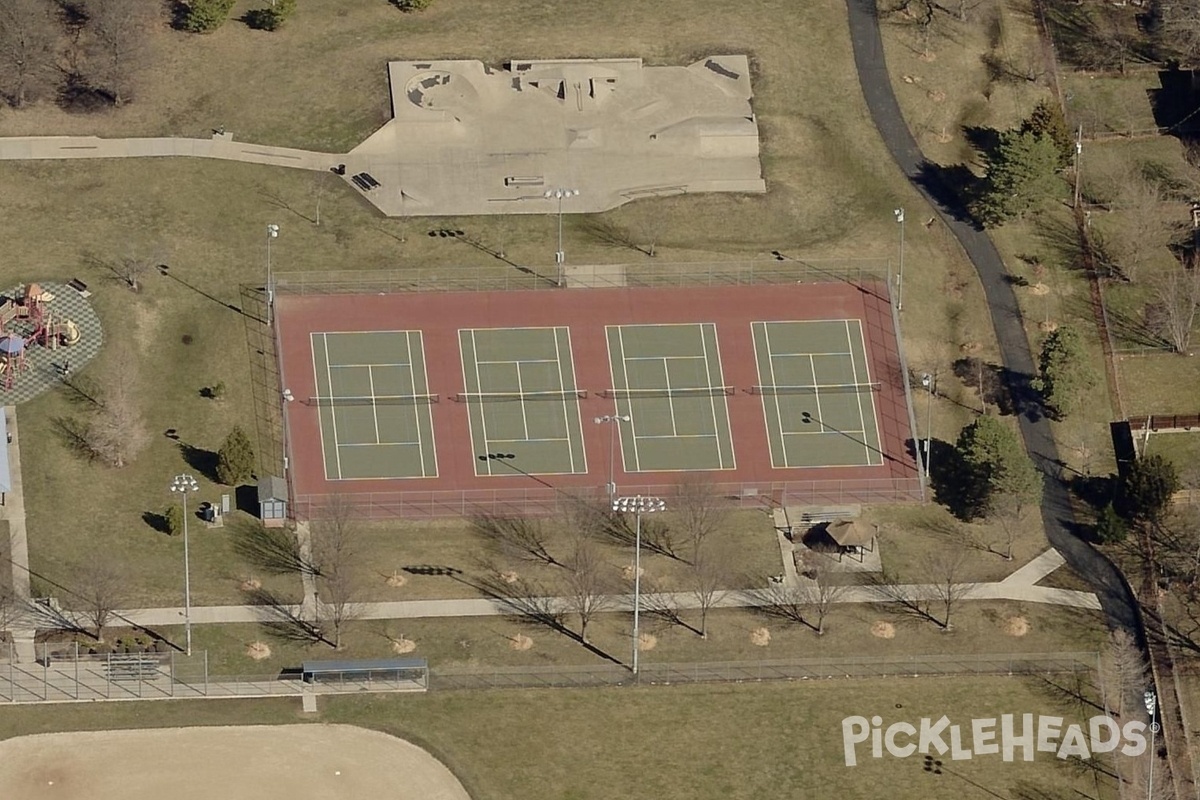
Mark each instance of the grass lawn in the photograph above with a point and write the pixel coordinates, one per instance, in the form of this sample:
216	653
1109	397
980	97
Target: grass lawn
831	191
1181	449
677	743
480	642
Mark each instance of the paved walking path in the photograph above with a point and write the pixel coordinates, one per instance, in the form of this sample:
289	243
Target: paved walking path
24	148
1019	587
13	511
1116	599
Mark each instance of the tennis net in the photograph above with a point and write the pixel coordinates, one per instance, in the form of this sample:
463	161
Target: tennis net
690	391
374	400
819	388
519	397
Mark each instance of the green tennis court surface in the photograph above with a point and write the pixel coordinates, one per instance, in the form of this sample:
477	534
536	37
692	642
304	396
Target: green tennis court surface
373	405
817	394
667	379
522	400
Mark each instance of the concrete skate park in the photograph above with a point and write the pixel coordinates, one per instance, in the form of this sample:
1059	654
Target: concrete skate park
469	139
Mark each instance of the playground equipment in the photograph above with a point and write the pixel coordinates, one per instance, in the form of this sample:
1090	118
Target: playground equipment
26	320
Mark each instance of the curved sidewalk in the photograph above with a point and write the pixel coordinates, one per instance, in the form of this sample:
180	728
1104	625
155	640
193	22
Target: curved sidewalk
1117	600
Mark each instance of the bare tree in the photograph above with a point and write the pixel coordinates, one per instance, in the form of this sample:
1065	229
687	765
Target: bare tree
117	431
526	538
1008	511
130	268
119	39
1142	229
1139	786
27	38
1123	673
1176	291
100	590
944	570
335	560
587	585
708	582
701	511
788	601
1177	26
820	588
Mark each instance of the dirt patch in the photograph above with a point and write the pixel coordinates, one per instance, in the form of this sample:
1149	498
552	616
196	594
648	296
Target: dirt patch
971	347
250	584
401	646
760	637
1049	326
1016	626
509	577
1039	289
258	651
647	641
396	580
936	95
520	642
627	572
883	630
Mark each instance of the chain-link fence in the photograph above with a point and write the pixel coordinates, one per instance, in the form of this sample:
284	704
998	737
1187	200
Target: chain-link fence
872	273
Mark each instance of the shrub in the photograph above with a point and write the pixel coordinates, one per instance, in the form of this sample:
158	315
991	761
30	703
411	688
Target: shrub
217	390
235	459
412	5
1110	528
174	517
272	17
205	16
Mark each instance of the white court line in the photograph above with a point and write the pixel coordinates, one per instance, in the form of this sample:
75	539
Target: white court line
858	398
712	401
522	360
384	444
521	391
467	385
821	433
374	407
789	355
817	395
867	366
479	387
578	411
333	409
428	410
416	406
670	399
339	366
518	441
312	342
562	387
682	436
656	358
778	412
637	461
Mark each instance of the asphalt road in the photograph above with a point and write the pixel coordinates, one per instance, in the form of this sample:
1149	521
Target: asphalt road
1116	599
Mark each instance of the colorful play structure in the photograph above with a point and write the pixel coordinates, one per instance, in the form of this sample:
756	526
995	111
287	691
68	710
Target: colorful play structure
27	320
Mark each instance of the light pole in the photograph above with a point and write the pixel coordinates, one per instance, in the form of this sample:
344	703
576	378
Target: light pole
560	256
930	383
612	420
272	232
1151	701
899	214
184	484
638	505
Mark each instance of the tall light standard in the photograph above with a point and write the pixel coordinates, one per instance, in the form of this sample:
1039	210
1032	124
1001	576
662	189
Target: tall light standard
272	232
930	384
638	505
1151	701
184	484
560	256
899	214
612	420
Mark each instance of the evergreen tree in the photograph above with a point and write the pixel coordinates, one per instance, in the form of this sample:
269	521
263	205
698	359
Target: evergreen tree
205	16
1064	373
1147	489
174	518
272	17
1047	120
996	465
1021	175
235	459
1110	528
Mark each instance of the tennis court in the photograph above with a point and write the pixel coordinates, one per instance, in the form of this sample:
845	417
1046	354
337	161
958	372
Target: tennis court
818	399
522	400
374	406
668	380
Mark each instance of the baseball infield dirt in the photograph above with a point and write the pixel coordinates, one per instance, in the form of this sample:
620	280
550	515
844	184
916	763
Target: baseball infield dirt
285	762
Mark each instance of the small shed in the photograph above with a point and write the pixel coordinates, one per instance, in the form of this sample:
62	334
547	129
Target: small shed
272	501
851	537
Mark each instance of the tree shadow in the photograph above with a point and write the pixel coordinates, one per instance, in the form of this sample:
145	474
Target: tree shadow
611	234
83	390
1095	490
157	521
1176	102
245	498
953	187
1061	237
273	550
984	139
286	623
73	434
201	460
165	270
952	483
1008	391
